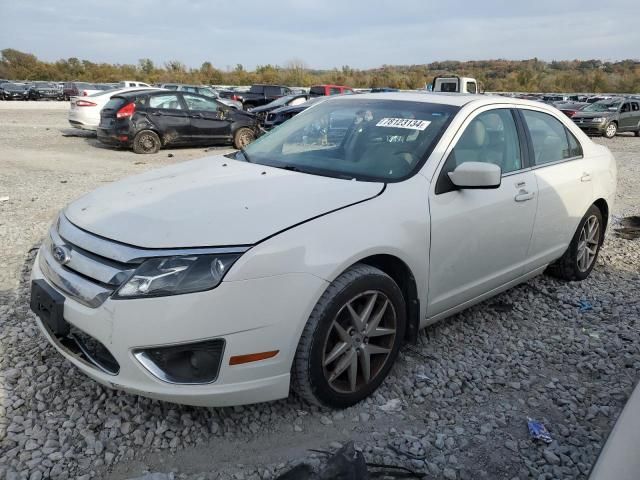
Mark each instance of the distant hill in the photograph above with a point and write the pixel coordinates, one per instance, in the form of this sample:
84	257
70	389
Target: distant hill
494	75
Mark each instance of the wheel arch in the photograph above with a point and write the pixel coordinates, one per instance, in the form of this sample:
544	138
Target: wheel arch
603	206
400	272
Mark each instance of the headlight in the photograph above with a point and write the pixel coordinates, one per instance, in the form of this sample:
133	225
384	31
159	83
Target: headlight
176	275
598	119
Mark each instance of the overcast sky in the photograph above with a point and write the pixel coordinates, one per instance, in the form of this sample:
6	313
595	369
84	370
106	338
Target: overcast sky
323	33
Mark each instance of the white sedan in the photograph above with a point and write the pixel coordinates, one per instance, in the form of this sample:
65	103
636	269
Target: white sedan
310	257
84	112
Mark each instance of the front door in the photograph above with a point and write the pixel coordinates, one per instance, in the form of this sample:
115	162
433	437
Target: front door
167	114
479	238
208	123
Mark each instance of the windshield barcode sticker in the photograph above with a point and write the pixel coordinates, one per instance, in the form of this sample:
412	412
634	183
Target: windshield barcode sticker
409	123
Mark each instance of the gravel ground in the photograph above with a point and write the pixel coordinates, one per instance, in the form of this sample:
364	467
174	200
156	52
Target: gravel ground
455	405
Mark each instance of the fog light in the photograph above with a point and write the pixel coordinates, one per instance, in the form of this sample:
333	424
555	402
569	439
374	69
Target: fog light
123	138
193	363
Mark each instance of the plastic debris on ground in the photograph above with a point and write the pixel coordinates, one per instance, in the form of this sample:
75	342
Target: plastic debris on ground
585	305
348	464
394	405
538	431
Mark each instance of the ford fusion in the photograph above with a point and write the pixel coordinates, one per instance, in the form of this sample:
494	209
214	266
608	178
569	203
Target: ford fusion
309	258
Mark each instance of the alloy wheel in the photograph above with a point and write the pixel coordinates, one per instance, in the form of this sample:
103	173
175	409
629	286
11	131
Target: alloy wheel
359	342
588	243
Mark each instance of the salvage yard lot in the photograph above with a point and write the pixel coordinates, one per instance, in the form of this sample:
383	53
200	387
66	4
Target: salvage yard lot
455	405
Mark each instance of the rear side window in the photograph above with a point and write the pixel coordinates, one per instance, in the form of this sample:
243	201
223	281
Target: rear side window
471	87
575	149
272	91
548	136
635	106
168	101
334	91
316	91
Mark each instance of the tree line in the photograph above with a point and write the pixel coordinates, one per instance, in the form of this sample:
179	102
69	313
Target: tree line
532	75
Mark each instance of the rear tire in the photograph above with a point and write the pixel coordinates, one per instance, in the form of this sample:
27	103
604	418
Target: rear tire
582	254
344	352
611	130
637	132
243	137
146	141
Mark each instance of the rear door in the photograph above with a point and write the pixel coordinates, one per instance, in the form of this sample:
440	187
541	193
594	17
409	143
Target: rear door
626	122
563	178
208	124
169	116
635	115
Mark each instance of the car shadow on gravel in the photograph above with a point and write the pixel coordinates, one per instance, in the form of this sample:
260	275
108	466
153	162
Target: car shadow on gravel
457	401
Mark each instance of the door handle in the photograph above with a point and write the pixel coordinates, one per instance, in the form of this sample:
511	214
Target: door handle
523	196
586	177
197	115
156	113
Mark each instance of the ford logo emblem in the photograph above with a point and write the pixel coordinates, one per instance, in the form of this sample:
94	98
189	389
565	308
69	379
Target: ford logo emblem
61	254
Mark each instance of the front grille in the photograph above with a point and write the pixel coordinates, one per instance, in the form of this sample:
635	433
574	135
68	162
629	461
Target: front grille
88	277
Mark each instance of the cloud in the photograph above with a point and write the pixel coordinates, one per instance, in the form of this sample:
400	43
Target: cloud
325	34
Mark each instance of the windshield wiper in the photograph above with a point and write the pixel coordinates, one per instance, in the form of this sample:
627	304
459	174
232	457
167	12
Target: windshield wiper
245	154
295	168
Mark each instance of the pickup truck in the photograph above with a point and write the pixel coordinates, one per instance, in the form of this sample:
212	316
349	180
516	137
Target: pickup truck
258	95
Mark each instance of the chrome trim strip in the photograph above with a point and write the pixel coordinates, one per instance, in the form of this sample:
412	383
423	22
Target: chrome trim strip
126	253
87	293
91	267
93	361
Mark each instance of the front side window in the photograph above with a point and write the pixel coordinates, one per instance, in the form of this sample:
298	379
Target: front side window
472	88
362	139
491	137
334	91
626	108
199	103
168	101
548	136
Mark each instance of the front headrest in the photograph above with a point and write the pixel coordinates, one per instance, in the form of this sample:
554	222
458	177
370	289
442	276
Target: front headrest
474	136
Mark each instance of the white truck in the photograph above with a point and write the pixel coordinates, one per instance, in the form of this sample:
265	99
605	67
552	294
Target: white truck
455	84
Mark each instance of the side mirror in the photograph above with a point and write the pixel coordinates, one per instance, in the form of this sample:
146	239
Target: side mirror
476	175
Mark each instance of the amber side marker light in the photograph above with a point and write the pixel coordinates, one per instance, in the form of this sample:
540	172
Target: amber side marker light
252	357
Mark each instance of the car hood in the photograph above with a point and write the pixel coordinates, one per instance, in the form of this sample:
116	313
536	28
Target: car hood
214	201
593	114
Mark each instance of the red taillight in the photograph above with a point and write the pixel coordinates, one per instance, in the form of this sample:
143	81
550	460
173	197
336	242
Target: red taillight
570	113
85	103
235	98
84	93
126	111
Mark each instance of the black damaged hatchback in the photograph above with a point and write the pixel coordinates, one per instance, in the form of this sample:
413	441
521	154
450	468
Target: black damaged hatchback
147	121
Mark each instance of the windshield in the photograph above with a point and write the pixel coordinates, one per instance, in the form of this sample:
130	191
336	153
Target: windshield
364	139
604	106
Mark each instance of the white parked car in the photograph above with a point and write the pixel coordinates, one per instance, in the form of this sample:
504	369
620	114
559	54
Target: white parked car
311	256
84	112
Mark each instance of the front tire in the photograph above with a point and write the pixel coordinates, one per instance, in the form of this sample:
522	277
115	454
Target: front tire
611	130
351	339
243	137
146	141
580	258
